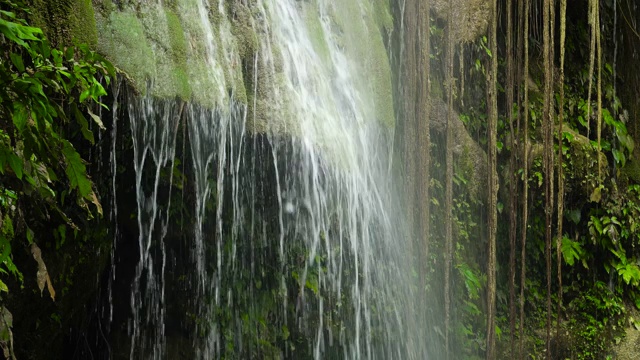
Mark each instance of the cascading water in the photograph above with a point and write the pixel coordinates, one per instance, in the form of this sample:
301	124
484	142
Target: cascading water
282	235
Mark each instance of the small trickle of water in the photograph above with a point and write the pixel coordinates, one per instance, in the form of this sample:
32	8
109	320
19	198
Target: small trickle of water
153	131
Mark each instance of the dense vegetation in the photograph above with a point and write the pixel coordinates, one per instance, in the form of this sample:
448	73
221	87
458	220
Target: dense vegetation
566	275
46	195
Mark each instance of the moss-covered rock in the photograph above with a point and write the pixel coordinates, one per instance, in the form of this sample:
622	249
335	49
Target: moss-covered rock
176	49
470	17
65	22
173	49
83	23
123	41
178	54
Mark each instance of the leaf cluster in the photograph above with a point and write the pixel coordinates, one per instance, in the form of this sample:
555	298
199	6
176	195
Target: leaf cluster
44	95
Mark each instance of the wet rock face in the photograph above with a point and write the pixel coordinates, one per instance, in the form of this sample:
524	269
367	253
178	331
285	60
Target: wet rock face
470	159
470	17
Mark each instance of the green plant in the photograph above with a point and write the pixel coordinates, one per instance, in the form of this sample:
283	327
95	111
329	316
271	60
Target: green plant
41	90
599	319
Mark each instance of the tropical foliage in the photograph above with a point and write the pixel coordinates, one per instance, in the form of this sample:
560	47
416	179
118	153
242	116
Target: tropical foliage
43	90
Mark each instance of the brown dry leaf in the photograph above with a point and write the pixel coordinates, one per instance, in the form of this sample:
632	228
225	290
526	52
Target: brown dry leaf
96	202
42	275
6	335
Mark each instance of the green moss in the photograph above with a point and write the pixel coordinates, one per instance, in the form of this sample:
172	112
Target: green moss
206	83
383	16
65	22
104	8
123	40
178	54
176	38
242	30
238	90
51	17
316	33
83	24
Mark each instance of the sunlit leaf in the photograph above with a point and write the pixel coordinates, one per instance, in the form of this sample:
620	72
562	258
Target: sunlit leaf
96	119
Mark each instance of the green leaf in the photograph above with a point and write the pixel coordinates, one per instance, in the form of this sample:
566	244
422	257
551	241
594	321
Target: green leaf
619	157
596	196
630	274
20	115
582	121
3	287
68	54
84	95
7	227
626	140
97	90
609	68
29	236
76	171
17	33
4	154
312	284
16	59
16	165
8	14
571	250
62	231
597	224
574	215
84	125
608	119
569	136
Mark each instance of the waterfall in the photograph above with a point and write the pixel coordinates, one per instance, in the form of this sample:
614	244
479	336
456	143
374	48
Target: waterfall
267	215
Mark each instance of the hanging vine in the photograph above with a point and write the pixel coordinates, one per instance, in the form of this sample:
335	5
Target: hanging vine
513	179
492	101
525	166
599	116
563	26
548	156
424	137
409	125
449	180
593	9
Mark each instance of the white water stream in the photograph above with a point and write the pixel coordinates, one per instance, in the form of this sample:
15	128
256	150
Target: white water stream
297	228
